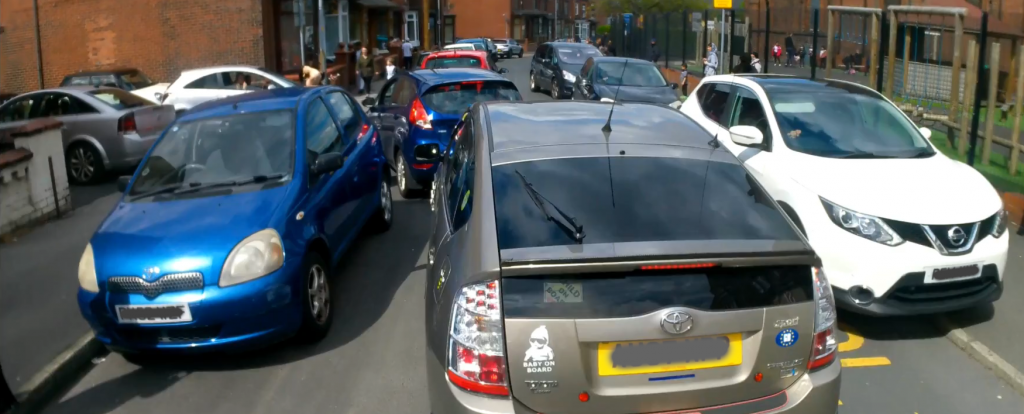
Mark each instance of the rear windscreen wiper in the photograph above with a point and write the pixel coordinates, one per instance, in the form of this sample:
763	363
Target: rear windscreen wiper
573	229
194	187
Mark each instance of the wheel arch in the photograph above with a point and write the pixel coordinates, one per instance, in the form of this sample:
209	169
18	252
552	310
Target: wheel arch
791	212
90	141
319	246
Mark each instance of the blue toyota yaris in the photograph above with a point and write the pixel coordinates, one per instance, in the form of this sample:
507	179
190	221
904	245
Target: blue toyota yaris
226	234
417	112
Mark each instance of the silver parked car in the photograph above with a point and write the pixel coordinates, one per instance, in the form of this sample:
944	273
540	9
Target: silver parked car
196	86
629	267
104	128
508	48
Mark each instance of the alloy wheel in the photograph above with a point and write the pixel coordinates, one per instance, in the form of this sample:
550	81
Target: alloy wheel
81	163
554	88
401	174
385	199
319	294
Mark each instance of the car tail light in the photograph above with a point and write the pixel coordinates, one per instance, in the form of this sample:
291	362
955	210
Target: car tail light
678	266
126	125
363	132
823	347
418	115
476	354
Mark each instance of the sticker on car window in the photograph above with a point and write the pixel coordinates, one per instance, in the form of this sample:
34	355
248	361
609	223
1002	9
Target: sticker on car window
465	199
557	292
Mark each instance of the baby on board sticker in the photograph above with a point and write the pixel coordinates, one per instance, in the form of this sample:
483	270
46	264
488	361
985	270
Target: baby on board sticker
539	357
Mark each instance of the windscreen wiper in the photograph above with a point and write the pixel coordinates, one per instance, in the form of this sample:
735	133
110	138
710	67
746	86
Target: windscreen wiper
863	155
573	229
159	190
194	187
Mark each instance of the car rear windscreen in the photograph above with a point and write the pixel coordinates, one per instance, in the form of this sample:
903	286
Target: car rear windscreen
620	295
453	62
631	199
456	98
119	99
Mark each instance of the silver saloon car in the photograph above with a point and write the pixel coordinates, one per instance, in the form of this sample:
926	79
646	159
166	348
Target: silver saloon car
587	264
104	128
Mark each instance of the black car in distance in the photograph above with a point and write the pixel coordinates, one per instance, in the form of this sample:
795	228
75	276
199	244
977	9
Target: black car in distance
556	65
625	80
581	261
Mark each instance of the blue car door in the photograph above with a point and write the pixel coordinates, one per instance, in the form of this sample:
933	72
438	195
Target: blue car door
361	155
331	199
400	105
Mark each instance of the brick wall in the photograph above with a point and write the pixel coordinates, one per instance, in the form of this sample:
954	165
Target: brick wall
160	37
481	17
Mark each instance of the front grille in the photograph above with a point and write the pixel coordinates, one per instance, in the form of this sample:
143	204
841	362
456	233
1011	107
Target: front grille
176	282
911	289
922	234
139	335
942	234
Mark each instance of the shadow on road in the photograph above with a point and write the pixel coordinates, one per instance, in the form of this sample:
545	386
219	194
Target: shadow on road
365	282
913	327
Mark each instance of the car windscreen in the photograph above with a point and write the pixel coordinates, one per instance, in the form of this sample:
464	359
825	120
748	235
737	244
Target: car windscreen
500	41
631	199
455	98
845	125
136	79
628	74
90	80
576	55
119	99
217	150
453	62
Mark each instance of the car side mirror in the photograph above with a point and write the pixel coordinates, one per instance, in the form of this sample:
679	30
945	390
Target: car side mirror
927	132
675	86
746	135
122	182
159	96
369	101
327	162
503	71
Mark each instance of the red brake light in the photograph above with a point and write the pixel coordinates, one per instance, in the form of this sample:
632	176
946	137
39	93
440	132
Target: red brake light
679	266
363	132
476	354
823	350
479	85
823	347
126	125
418	115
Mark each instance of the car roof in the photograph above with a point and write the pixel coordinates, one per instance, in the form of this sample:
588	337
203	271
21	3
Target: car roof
265	100
108	71
772	84
600	59
522	125
570	44
457	53
433	77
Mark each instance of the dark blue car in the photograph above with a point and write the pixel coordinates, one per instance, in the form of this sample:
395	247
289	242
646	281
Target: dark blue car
417	112
226	235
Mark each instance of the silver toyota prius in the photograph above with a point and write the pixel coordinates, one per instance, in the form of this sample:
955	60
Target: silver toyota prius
588	262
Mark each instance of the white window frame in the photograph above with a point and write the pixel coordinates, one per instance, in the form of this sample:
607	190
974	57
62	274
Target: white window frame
414	18
344	24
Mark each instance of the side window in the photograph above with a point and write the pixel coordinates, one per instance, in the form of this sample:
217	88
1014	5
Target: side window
322	135
387	93
246	81
405	92
59	104
541	51
585	72
18	110
748	111
714	100
211	81
460	190
348	116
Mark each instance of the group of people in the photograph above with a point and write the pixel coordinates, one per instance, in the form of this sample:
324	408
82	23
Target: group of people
796	56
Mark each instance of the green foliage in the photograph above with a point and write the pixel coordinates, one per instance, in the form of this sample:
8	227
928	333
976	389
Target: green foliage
603	29
649	6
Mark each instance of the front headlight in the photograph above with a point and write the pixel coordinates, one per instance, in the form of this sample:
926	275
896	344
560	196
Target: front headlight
568	76
607	100
87	271
256	256
868	227
999	225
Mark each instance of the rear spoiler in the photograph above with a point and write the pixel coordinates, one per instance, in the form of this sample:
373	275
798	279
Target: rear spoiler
618	257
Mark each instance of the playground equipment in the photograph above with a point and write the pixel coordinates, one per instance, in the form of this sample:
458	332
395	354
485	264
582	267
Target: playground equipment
924	82
841	12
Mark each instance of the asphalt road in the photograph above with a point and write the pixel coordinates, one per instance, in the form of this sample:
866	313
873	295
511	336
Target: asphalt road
372	361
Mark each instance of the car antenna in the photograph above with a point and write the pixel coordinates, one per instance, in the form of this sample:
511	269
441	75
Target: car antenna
607	128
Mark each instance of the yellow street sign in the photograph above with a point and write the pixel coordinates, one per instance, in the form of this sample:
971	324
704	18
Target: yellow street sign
723	4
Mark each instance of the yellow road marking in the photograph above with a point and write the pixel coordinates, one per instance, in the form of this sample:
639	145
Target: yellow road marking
853	342
865	362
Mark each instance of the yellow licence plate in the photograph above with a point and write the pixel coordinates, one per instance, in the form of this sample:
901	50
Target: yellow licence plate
651	357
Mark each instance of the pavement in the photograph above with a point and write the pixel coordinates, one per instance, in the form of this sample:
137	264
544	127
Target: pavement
373	358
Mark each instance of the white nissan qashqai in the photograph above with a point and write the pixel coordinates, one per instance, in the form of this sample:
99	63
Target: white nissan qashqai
900	228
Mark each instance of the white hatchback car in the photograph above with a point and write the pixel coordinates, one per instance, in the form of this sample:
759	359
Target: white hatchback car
901	228
196	86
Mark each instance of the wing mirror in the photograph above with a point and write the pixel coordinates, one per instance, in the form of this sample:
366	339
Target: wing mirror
745	135
503	71
328	162
369	101
122	182
675	85
927	132
159	96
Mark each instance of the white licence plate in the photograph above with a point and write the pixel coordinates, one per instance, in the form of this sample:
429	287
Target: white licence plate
952	273
149	314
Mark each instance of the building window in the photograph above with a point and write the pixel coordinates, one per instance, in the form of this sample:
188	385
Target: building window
517	28
295	35
412	28
336	18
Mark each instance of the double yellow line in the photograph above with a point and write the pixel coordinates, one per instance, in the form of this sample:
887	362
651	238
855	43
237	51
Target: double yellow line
853	343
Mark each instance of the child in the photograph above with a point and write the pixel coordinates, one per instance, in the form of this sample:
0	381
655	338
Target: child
390	66
801	56
684	80
776	53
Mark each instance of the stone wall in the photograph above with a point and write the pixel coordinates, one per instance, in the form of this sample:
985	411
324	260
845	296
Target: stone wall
28	192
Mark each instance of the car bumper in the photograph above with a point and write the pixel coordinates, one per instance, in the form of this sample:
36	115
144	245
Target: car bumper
248	315
893	280
813	393
135	148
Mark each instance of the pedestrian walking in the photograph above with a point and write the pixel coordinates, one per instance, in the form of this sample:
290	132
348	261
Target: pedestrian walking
407	54
800	56
611	48
654	54
755	63
365	68
822	57
390	67
711	60
777	54
684	80
790	50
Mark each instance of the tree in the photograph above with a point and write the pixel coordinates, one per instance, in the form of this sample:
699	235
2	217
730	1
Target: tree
612	7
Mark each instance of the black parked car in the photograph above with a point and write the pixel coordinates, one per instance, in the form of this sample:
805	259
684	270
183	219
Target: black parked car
556	65
631	80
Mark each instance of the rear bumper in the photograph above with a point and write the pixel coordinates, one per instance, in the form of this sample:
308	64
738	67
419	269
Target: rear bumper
815	393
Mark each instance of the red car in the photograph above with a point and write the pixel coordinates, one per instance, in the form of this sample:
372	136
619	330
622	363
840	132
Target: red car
460	59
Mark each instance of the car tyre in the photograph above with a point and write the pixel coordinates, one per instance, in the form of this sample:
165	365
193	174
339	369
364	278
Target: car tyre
403	177
520	53
533	83
555	92
317	315
384	215
84	164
